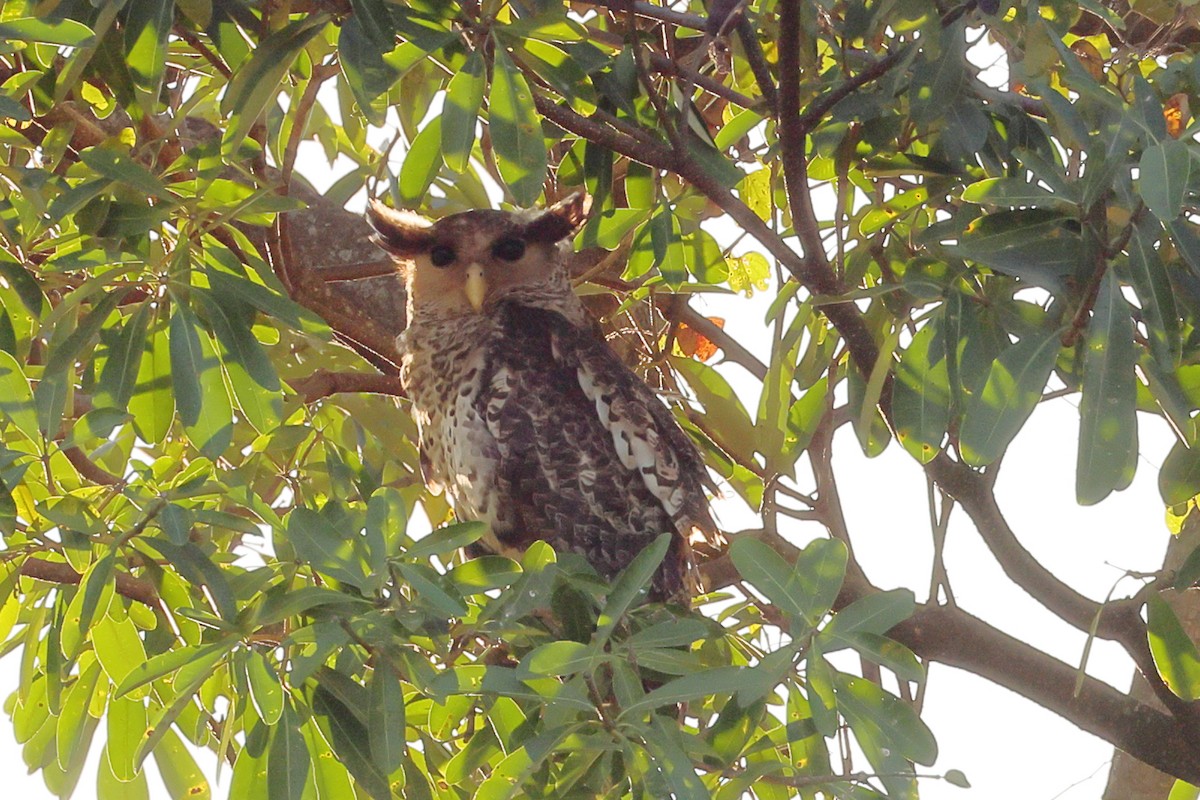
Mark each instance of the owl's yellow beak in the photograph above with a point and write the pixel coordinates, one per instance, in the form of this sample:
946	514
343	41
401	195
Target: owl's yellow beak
476	287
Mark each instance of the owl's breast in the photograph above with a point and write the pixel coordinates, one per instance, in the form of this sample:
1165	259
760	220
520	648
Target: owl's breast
443	372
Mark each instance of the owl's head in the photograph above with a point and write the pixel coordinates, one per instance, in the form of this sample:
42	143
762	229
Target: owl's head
466	263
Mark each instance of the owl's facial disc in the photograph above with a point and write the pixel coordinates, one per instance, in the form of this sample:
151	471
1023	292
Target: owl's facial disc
475	287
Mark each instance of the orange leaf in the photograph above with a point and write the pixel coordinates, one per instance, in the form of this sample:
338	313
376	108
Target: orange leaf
1093	62
1176	113
695	344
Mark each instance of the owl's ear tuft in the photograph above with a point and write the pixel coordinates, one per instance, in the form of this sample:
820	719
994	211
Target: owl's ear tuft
401	233
559	220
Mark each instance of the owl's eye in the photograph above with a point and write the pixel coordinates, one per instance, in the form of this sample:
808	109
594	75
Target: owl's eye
509	248
441	255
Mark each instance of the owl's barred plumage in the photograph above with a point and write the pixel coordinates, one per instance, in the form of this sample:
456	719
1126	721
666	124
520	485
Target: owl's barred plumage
527	418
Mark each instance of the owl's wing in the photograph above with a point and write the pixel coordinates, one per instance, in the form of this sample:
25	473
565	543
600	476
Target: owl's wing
590	459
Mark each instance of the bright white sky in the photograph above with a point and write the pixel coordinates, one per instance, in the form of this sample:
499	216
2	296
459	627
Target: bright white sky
1007	746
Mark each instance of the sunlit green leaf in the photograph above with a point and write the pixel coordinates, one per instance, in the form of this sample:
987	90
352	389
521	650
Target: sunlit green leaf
464	96
288	762
147	28
1174	652
421	163
516	131
178	769
62	31
257	82
16	398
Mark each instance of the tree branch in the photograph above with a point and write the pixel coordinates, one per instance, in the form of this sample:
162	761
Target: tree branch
62	573
950	636
90	469
324	383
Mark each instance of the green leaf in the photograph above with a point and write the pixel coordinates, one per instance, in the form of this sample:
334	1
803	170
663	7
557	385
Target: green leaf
162	664
484	573
632	584
97	584
127	726
118	380
147	26
1188	573
560	658
288	762
820	570
516	131
72	727
110	787
889	731
671	633
153	401
1164	172
421	163
386	719
672	761
1039	246
1174	652
266	691
251	374
250	770
433	589
257	82
331	780
350	741
319	542
804	590
201	395
59	375
460	114
119	165
187	364
1017	193
956	777
1155	296
876	613
1108	433
446	540
95	425
16	398
1182	790
995	414
766	570
723	409
62	32
718	680
178	769
362	51
921	394
119	649
1179	478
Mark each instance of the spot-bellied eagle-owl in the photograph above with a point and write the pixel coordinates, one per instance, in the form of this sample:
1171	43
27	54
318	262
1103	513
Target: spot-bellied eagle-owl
527	418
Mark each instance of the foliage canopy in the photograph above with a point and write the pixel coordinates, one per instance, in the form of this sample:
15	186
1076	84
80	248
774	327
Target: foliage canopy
210	500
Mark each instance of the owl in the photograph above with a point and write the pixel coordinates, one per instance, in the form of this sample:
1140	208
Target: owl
527	419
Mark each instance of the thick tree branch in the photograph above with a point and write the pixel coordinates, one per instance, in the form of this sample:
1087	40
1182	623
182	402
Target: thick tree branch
952	637
62	572
947	635
324	383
